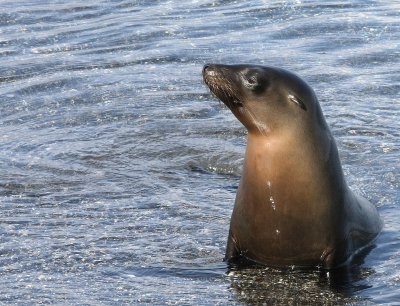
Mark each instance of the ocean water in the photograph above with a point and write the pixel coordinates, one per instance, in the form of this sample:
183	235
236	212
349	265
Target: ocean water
118	168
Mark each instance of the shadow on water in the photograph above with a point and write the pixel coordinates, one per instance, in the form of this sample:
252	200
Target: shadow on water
253	284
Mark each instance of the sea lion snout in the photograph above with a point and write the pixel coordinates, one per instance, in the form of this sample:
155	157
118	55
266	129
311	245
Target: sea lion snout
205	67
210	70
223	84
233	84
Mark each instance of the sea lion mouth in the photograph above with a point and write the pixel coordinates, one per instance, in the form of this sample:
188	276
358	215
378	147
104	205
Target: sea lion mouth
222	85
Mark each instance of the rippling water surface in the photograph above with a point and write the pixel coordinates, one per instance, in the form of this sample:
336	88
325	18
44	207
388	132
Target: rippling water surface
119	169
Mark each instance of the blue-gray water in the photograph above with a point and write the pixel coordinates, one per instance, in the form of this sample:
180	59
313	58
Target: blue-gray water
118	169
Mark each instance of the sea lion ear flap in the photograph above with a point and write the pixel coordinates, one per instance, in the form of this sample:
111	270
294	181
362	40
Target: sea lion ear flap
297	101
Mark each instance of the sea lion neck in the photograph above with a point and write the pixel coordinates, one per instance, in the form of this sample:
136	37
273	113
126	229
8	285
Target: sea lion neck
250	121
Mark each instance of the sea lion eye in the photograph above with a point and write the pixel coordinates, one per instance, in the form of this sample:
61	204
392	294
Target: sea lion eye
298	102
252	80
255	82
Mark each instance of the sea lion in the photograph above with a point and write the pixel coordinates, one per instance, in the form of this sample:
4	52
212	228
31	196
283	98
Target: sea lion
293	206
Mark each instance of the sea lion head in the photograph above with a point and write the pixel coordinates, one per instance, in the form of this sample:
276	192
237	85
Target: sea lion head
264	99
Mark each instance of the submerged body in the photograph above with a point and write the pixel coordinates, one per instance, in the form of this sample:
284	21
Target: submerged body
293	206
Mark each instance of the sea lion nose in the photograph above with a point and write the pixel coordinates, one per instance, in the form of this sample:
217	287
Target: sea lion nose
206	66
211	69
